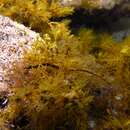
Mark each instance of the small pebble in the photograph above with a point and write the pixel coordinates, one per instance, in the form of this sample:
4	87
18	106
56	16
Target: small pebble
3	102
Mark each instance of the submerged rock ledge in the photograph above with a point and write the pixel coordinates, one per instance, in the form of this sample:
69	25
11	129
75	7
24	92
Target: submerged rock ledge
98	4
15	39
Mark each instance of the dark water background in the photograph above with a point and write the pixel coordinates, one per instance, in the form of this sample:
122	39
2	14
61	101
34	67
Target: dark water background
102	21
121	28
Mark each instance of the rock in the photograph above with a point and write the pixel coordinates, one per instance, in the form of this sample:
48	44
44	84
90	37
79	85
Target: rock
99	4
3	102
109	4
15	39
75	3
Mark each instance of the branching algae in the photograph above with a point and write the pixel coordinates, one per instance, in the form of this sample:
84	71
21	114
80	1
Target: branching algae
66	82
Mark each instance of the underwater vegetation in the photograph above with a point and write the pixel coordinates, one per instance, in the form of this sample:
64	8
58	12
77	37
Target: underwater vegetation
66	81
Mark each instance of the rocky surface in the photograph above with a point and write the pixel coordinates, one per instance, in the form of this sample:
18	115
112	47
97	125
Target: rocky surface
100	4
109	4
15	39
